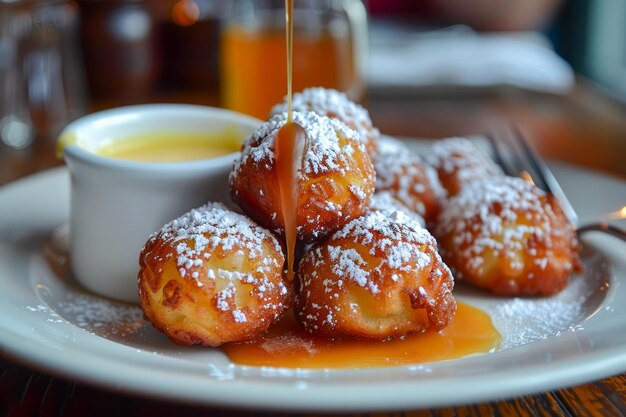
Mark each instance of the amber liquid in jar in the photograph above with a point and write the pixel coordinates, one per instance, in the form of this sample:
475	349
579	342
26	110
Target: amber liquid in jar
253	65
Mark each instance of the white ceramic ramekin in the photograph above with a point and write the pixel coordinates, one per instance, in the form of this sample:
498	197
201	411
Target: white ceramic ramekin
117	204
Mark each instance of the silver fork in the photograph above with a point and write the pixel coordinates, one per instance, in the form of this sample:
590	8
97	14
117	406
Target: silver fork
514	153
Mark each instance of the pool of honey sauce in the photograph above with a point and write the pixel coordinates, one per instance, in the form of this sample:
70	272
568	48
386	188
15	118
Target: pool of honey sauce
287	345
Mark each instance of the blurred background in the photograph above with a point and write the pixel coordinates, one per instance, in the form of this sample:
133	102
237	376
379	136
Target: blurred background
423	68
60	59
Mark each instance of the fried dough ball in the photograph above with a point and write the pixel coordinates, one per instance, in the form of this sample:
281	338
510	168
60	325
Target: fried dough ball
212	276
378	277
385	201
508	236
408	178
460	162
335	185
337	105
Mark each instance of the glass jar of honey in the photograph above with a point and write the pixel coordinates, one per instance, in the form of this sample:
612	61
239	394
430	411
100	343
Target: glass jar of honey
329	50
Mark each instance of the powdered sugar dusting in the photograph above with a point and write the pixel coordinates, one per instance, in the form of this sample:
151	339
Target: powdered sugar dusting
397	236
348	263
406	175
51	315
461	157
332	103
391	146
240	316
214	231
289	343
385	201
198	234
485	216
101	316
389	256
525	320
324	152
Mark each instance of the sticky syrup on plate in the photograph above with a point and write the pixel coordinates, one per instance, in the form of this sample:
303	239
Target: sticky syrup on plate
287	345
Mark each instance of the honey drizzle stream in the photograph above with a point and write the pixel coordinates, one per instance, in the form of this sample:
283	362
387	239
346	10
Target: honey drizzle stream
289	43
290	142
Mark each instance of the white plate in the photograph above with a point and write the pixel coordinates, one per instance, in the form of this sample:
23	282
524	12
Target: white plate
51	323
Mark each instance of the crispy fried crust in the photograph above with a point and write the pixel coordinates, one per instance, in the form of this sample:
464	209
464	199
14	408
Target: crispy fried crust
336	182
378	277
212	276
336	105
408	178
509	237
385	201
459	162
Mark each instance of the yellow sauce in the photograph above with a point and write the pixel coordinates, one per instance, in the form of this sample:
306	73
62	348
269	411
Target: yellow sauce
173	146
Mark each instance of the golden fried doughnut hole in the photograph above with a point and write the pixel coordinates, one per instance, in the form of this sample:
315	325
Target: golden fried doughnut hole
385	201
409	179
508	236
378	277
337	105
212	276
335	186
459	162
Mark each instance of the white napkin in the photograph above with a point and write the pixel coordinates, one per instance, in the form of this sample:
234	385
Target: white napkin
465	58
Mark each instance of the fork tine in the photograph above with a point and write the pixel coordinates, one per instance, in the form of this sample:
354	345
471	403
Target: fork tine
533	163
515	155
498	158
543	177
506	154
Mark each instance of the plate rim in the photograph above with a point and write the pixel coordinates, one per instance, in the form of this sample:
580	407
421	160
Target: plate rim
296	397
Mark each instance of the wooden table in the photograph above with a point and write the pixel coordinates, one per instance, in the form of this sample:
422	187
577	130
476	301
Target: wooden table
585	127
